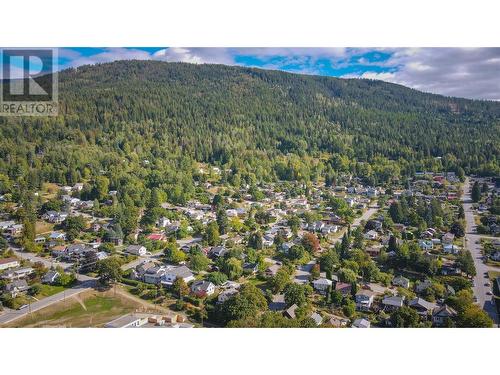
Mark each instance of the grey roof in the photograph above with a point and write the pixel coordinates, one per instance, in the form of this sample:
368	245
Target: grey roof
420	302
393	301
317	318
181	271
291	311
16	284
361	323
122	321
50	275
201	285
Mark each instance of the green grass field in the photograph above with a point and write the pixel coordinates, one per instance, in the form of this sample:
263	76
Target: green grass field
90	309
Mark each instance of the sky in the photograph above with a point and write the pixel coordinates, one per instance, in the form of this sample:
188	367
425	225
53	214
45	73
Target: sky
463	72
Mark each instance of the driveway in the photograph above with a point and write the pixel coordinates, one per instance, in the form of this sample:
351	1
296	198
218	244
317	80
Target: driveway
473	245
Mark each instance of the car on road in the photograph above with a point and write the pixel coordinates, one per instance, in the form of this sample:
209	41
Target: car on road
489	293
474	299
22	307
487	284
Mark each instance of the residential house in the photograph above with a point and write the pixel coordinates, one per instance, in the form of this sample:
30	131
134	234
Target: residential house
57	236
250	268
425	245
203	288
15	230
318	319
9	263
337	321
172	273
16	288
218	251
277	303
370	235
138	250
285	247
154	237
153	275
448	238
17	273
226	294
422	306
327	229
322	285
401	281
55	217
421	286
496	256
344	288
441	314
393	303
451	249
50	277
40	240
272	270
364	300
361	323
290	312
6	224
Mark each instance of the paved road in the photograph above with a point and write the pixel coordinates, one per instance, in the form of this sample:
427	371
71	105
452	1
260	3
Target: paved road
10	315
366	215
47	262
357	222
473	245
139	260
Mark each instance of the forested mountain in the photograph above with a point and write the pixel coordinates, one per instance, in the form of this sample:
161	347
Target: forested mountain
257	125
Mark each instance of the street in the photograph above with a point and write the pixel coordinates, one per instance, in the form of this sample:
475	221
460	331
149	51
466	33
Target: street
11	315
47	262
473	245
357	222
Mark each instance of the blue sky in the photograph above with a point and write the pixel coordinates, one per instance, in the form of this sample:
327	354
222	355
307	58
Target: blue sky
463	72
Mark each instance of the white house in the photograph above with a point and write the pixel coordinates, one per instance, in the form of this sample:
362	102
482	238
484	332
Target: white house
425	245
322	285
203	288
9	263
364	300
138	250
451	249
172	273
370	235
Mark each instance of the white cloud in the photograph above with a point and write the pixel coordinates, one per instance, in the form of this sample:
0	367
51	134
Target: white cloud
463	72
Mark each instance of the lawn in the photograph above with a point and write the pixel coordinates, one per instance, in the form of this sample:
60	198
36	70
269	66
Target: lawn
89	309
48	290
43	227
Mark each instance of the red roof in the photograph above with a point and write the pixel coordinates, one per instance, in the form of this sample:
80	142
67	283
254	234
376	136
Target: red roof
155	237
7	260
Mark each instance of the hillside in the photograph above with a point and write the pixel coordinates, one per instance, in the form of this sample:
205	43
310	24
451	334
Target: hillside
264	125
